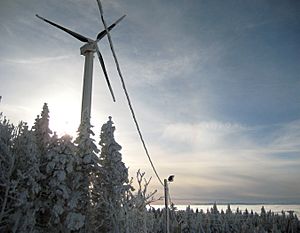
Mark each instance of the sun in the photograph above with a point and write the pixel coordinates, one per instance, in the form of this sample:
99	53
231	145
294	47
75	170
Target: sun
64	120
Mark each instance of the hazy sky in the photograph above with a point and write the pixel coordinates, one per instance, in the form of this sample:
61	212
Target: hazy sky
215	86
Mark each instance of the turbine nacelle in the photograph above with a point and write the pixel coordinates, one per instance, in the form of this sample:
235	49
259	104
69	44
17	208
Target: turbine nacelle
88	47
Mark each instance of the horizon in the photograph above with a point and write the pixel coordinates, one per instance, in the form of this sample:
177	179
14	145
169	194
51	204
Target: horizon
191	202
215	87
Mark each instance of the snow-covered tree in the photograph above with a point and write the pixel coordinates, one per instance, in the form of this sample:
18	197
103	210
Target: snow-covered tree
86	165
26	176
42	131
42	135
137	219
111	181
60	171
7	166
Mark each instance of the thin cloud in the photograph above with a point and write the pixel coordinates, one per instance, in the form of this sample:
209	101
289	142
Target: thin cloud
287	137
204	134
242	162
37	60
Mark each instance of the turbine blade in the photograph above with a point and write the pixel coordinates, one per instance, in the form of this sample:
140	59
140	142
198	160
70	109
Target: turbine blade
103	33
74	34
105	74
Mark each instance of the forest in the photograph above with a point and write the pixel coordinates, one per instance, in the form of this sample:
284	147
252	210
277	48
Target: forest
60	184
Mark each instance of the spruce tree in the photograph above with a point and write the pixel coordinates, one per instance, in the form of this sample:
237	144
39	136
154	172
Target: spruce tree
42	134
86	163
27	176
60	170
42	131
112	180
7	166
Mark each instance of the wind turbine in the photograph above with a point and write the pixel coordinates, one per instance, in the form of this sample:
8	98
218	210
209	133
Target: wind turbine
87	50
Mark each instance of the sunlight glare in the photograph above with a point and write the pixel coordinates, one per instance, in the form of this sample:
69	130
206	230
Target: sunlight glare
65	121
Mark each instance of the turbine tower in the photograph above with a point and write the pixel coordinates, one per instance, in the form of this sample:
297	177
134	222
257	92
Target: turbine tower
87	50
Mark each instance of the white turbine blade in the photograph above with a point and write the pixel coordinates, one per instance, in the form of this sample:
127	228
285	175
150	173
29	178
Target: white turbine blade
104	32
101	60
74	34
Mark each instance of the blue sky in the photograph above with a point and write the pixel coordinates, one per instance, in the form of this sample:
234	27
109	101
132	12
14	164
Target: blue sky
215	86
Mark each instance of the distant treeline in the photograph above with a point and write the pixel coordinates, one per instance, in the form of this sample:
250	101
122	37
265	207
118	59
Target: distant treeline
215	221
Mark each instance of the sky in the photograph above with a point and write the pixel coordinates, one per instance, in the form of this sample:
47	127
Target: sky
215	86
